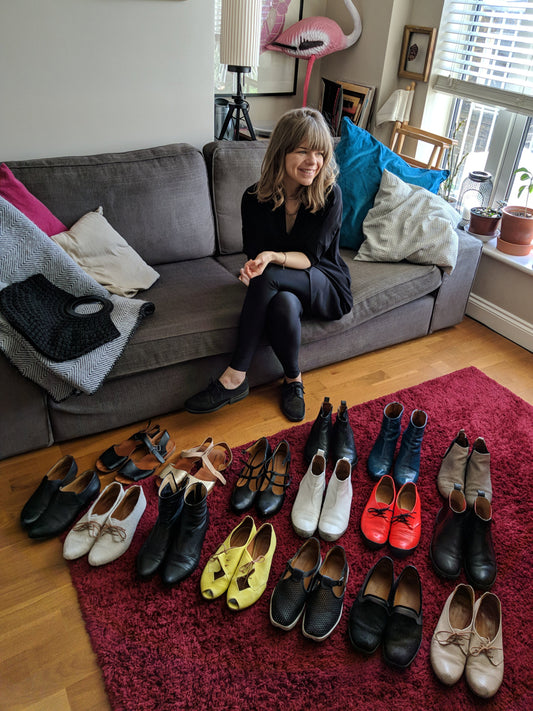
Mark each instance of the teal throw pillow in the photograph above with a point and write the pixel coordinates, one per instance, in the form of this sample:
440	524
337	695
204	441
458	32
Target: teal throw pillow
362	160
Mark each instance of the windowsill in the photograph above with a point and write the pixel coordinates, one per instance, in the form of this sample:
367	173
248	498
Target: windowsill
524	264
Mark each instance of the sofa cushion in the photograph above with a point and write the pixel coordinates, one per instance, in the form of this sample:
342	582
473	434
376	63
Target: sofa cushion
362	159
233	166
156	198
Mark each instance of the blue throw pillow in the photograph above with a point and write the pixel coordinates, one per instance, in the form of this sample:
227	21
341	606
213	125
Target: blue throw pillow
362	160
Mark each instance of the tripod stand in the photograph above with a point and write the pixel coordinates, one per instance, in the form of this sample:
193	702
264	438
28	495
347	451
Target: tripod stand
238	106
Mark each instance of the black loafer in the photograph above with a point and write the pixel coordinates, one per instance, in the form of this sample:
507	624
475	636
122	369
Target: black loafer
63	472
403	634
275	482
371	608
216	396
66	505
292	401
290	594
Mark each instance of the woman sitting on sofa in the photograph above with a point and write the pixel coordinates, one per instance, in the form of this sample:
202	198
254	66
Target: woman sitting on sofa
290	223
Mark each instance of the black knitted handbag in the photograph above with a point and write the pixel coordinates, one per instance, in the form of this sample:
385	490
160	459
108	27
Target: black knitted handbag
59	325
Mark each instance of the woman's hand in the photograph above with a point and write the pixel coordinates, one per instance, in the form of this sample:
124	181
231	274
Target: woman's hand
255	267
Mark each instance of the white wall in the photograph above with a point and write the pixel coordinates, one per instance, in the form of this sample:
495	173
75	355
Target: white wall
88	76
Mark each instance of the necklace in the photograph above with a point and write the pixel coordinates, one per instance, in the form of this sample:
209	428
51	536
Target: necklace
291	214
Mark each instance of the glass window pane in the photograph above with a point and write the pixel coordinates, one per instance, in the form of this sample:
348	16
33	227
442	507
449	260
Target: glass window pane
524	160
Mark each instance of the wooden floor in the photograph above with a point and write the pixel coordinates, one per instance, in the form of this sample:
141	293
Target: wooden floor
46	660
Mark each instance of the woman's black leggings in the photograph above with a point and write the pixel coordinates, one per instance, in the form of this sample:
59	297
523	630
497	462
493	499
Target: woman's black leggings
275	303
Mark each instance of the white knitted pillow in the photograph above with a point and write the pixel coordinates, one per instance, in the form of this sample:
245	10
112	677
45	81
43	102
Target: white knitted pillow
409	223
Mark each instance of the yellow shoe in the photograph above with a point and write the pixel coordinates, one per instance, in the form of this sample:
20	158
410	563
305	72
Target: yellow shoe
220	567
251	577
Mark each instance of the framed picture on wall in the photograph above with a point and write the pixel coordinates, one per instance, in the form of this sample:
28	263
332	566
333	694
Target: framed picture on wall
417	52
277	73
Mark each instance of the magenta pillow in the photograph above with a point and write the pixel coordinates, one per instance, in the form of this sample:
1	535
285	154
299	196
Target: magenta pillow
18	195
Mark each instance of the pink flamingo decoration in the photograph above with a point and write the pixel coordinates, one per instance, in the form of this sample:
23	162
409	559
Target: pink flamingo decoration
316	37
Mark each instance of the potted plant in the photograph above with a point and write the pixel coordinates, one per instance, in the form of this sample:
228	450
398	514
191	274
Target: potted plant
517	221
484	222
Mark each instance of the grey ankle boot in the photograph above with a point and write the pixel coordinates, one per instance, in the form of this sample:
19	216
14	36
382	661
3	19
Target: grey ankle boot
453	466
477	477
381	456
407	465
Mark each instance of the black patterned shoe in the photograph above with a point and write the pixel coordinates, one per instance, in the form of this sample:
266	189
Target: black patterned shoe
290	594
216	396
324	605
292	401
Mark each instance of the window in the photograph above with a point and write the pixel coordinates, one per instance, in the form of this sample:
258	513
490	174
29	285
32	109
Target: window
484	58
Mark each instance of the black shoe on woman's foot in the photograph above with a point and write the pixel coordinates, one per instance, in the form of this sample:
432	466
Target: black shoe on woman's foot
292	401
216	396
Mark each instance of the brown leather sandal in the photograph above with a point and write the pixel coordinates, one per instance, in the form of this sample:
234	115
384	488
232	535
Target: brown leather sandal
155	453
216	460
118	454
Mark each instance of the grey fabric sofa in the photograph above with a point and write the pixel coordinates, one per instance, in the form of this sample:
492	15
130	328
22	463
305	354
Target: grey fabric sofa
179	208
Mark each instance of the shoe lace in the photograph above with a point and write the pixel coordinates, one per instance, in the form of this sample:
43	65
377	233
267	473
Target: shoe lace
490	650
115	531
403	518
379	511
461	639
93	528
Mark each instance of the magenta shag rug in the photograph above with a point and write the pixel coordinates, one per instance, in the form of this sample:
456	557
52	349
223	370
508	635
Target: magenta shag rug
164	649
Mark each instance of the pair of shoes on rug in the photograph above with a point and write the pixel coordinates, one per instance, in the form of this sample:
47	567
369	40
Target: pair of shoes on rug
388	612
330	513
216	396
106	531
312	589
393	517
335	439
240	566
59	499
138	456
471	470
468	638
202	463
462	537
263	480
174	544
381	460
292	400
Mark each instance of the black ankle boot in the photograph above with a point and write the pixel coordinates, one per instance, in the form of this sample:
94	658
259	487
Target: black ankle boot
184	553
342	439
154	549
479	554
446	548
320	434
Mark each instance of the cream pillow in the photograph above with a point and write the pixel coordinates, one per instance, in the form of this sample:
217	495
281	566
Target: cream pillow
106	256
409	223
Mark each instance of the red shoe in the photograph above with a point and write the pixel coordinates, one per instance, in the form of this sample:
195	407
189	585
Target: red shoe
377	515
405	527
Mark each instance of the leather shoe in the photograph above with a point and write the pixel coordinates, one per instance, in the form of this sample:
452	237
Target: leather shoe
292	401
216	396
405	528
288	600
66	505
251	576
453	465
479	554
407	464
403	634
377	514
63	472
326	599
308	502
371	608
477	475
251	477
446	548
342	438
320	434
381	455
275	482
451	638
484	665
335	514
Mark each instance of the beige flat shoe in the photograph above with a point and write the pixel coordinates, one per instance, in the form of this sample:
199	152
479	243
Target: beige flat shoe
451	638
484	665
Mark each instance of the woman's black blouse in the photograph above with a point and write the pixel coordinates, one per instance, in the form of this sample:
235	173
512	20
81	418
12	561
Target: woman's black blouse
314	234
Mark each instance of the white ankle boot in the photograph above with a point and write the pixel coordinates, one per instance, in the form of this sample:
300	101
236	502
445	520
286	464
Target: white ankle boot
306	508
338	502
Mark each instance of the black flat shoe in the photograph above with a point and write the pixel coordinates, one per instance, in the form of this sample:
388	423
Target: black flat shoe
216	396
63	472
292	401
275	482
320	434
66	505
250	479
403	634
371	608
324	606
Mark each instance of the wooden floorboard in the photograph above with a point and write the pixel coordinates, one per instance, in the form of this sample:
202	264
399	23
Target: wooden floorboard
46	660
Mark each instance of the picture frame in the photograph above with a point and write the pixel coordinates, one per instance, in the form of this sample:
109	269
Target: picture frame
417	52
277	73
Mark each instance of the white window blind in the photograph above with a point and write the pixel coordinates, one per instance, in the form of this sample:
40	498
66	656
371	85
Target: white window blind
485	53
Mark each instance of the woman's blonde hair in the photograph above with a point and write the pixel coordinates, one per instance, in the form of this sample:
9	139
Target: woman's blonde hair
295	128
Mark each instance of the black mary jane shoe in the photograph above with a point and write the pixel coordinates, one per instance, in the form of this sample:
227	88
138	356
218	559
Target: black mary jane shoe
275	482
292	401
250	479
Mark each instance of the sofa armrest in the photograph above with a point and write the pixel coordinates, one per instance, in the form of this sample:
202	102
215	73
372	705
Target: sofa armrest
452	297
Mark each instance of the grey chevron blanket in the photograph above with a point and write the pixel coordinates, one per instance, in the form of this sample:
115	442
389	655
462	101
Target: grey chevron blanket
24	251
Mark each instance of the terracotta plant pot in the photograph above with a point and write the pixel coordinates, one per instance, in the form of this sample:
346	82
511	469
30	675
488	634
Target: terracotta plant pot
516	230
484	222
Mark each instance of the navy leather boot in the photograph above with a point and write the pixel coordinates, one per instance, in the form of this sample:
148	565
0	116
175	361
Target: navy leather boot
381	455
407	465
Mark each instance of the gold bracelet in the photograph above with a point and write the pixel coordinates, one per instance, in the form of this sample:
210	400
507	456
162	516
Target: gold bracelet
284	259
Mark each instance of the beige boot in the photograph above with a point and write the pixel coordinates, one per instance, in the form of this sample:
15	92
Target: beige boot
453	466
477	476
